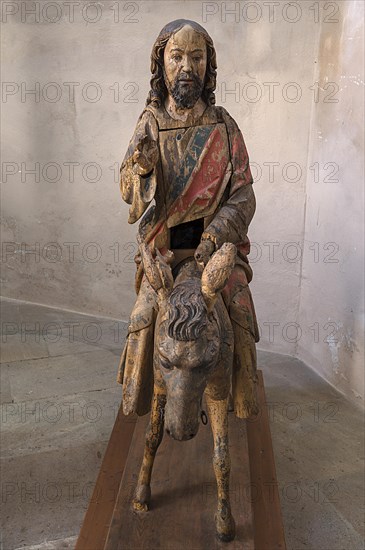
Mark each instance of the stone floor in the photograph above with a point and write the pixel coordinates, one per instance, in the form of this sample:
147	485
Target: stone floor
59	401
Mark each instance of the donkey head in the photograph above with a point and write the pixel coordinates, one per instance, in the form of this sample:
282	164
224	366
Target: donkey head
188	333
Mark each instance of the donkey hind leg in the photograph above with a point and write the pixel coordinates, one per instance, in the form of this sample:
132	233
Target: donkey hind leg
218	414
154	435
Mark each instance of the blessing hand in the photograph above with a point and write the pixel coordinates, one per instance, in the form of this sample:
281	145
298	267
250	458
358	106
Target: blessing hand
145	156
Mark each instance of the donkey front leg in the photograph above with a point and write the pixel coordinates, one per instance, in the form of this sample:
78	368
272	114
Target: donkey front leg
218	414
153	439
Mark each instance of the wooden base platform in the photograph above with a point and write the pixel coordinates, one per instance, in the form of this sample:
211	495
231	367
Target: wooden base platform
184	491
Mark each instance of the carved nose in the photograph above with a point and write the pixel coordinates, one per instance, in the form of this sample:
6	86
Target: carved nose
180	436
187	66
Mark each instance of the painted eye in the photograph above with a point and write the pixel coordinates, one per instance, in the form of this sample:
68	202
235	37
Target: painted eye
177	58
166	365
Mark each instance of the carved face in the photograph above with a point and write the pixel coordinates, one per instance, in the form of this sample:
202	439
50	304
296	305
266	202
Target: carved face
185	366
185	63
188	334
200	352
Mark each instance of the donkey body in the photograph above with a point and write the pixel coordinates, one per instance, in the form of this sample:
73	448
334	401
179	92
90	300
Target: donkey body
193	356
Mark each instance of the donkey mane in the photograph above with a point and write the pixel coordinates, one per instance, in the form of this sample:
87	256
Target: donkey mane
187	311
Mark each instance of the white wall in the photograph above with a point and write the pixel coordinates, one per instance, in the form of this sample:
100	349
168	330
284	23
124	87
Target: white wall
331	299
269	61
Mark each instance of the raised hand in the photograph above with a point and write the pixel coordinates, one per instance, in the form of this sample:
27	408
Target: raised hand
145	156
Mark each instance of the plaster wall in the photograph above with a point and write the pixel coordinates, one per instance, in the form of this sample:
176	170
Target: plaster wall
91	81
331	298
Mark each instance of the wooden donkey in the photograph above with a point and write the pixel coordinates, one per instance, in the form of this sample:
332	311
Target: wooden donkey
193	354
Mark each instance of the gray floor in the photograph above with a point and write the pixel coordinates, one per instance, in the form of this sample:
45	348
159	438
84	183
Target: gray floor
59	401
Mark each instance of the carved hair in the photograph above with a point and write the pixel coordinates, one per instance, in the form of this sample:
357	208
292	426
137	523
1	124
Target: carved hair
158	90
187	312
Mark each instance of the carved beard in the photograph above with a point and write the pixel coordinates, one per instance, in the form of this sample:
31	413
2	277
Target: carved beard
185	95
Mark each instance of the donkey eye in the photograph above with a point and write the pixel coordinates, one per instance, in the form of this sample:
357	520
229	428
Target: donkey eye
165	364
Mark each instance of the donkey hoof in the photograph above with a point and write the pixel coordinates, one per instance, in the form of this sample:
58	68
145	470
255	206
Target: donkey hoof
140	506
142	498
225	526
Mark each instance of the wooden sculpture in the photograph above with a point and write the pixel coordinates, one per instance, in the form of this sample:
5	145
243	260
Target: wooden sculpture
193	355
193	327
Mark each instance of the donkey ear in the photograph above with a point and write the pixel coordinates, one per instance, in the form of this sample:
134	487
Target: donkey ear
149	267
217	272
164	269
158	270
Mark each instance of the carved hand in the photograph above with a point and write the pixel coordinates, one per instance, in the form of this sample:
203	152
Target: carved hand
145	156
204	251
